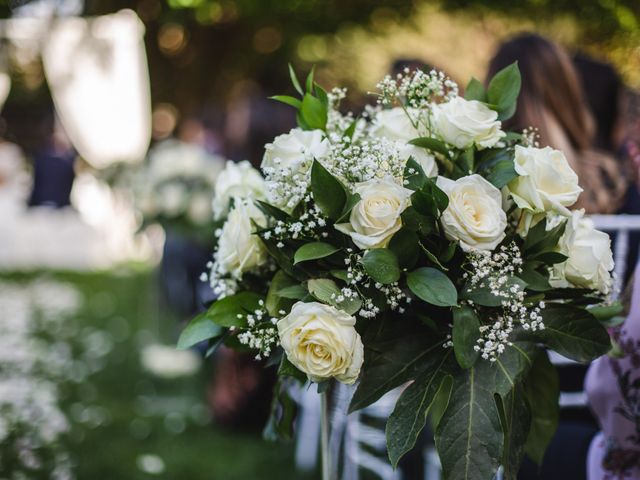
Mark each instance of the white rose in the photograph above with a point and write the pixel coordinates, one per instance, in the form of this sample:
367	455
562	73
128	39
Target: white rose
474	216
463	123
394	124
590	259
239	249
295	150
237	180
546	181
322	342
376	217
422	157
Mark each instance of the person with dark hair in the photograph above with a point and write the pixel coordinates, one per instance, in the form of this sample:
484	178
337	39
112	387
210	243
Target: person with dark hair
553	102
603	90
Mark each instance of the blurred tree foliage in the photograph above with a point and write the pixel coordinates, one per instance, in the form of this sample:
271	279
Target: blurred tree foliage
216	49
599	18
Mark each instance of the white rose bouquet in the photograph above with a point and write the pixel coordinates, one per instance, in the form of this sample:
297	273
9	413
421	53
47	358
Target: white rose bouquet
416	245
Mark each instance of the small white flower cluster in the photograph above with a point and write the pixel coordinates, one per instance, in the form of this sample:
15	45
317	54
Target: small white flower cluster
336	122
416	89
311	224
367	159
531	137
261	333
287	187
495	271
39	354
221	284
359	280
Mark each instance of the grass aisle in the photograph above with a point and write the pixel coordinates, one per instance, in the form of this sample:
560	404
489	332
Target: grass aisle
131	424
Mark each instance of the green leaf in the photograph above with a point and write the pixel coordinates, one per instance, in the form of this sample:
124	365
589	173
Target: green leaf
480	296
382	265
440	402
433	287
510	367
199	329
574	333
516	421
275	300
417	222
390	362
309	82
414	176
405	246
432	258
314	251
410	413
613	321
294	80
272	211
431	144
503	90
501	174
283	257
340	275
352	201
475	91
351	129
313	112
542	388
293	292
465	334
323	289
540	240
230	311
467	160
328	192
605	312
483	295
549	258
287	369
283	413
292	101
535	280
469	438
214	344
326	291
321	94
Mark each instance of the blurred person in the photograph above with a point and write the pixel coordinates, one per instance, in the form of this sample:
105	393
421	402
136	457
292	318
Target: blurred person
603	91
552	101
613	389
53	171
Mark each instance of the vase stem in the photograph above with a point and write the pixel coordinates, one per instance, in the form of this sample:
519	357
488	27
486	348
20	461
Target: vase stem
324	436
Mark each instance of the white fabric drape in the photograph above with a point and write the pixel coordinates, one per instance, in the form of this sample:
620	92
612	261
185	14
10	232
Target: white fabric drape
97	72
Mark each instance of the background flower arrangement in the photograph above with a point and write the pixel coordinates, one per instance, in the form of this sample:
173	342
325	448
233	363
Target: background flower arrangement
41	360
417	244
175	186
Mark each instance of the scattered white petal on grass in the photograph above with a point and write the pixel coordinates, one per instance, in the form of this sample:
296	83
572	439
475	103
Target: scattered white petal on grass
151	464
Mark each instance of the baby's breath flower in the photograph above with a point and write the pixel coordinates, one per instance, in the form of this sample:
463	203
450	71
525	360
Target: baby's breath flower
496	271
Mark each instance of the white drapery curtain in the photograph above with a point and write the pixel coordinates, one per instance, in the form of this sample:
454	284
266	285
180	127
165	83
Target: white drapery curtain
97	72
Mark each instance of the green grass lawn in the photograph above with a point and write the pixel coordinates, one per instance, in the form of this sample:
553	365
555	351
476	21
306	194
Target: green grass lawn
145	417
